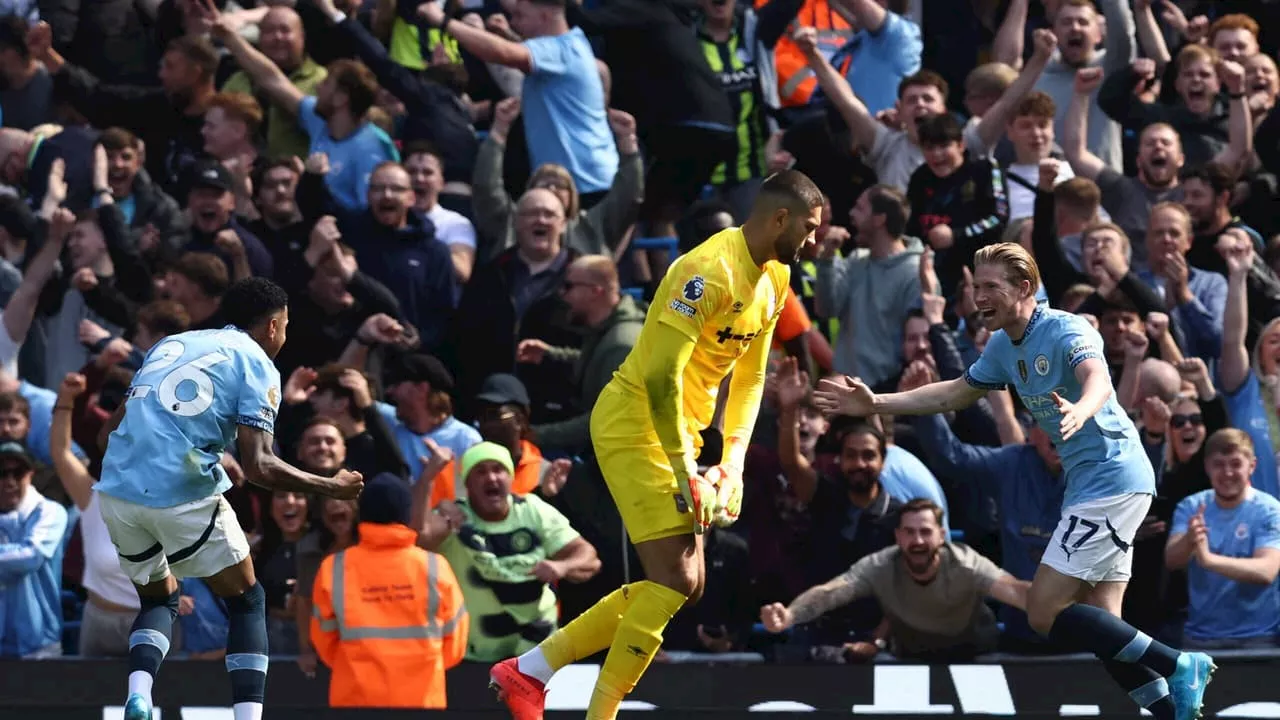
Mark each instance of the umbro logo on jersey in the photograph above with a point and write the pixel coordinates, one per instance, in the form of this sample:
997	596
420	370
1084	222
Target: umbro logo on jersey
727	334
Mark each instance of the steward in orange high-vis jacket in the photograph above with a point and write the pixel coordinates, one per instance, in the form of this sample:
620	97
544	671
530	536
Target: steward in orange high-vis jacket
389	617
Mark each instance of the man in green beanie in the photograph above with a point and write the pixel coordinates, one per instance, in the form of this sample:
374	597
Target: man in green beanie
508	551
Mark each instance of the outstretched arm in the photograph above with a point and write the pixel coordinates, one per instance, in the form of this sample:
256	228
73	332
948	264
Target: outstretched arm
819	600
852	397
270	79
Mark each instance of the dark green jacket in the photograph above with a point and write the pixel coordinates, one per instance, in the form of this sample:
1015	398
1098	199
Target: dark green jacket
603	350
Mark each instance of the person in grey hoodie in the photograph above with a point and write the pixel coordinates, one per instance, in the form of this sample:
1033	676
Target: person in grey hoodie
612	323
871	291
1078	27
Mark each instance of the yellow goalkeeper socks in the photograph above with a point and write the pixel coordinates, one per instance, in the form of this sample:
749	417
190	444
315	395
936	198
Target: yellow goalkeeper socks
590	632
638	638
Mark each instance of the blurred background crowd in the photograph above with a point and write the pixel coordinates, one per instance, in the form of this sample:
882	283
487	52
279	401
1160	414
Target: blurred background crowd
469	204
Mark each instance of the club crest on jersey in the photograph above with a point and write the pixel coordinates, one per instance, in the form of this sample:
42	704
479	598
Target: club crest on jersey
273	396
737	306
1042	365
1022	370
694	288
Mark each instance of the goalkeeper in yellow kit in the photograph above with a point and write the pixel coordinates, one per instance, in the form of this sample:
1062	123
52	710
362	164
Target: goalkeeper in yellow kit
715	310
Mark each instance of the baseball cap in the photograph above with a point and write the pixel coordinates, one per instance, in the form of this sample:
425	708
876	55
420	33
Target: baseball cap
17	450
503	389
420	367
209	174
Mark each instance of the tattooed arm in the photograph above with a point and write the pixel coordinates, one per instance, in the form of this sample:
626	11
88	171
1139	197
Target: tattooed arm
814	602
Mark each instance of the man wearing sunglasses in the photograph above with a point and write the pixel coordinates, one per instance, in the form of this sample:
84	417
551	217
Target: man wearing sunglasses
31	532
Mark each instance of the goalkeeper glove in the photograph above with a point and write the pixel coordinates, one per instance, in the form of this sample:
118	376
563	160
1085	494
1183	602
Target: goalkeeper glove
728	484
700	497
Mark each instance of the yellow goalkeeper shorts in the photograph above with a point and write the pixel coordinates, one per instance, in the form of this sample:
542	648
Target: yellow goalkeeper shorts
636	469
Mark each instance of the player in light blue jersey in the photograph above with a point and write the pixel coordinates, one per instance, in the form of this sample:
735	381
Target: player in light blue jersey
1054	361
162	482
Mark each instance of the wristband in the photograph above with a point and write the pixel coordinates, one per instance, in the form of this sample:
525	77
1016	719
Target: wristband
338	16
1236	96
68	408
363	342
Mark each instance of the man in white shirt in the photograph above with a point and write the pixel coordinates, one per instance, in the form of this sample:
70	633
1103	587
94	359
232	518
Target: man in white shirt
426	176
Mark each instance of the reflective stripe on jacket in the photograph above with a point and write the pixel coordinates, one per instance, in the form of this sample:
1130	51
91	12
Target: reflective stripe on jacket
388	620
796	81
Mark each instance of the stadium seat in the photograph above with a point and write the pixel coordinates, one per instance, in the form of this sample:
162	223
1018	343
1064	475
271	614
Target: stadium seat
72	611
670	244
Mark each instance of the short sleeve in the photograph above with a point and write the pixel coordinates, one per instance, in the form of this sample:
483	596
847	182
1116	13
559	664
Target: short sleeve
881	145
1187	507
1079	342
259	395
308	119
8	350
551	55
898	43
986	373
985	572
553	527
973	141
861	576
793	321
690	296
1268	530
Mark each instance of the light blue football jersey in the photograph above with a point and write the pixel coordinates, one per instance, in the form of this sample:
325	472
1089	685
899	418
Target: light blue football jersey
1220	607
1105	457
182	411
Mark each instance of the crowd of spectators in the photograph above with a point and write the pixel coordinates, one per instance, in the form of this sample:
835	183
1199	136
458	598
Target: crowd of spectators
469	202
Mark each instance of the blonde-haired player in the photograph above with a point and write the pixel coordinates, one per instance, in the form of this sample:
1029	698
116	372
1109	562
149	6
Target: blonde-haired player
1054	360
713	314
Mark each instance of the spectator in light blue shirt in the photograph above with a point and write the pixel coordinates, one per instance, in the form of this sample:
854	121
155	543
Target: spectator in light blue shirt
1228	538
562	99
334	118
32	529
905	478
423	413
885	49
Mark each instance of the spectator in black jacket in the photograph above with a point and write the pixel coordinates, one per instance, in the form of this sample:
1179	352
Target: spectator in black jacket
211	200
957	204
153	216
518	295
337	301
111	36
397	246
169	118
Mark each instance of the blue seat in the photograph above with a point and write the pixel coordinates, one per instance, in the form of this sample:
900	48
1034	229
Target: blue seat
636	293
670	244
72	611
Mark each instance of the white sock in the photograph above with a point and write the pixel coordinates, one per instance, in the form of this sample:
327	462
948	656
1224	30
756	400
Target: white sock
534	664
247	711
140	684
